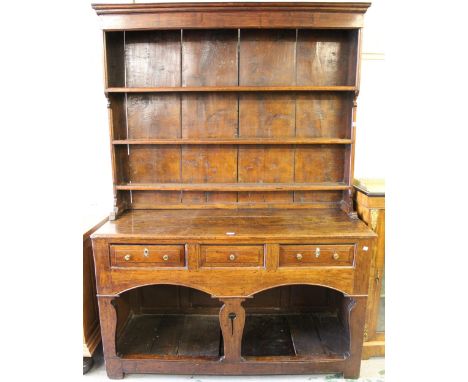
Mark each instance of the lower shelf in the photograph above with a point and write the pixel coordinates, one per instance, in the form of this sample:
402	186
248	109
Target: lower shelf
171	335
265	335
319	334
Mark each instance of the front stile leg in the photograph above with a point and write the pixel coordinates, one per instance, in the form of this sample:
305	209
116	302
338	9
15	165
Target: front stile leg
232	320
108	319
356	312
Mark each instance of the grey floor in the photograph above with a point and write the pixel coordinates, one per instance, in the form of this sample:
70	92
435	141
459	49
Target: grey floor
372	370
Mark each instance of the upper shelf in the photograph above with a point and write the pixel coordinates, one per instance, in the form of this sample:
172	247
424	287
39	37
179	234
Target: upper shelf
191	89
235	141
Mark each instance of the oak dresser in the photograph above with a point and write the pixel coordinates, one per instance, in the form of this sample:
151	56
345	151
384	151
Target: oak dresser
233	246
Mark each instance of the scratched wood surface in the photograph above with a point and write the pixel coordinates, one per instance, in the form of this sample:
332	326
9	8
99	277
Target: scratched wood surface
231	57
179	321
264	223
264	335
183	335
325	57
152	58
153	116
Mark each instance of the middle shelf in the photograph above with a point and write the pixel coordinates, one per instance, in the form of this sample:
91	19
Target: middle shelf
262	187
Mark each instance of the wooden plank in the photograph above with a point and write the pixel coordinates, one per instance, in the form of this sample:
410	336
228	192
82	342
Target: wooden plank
323	115
154	164
235	141
323	57
209	58
165	297
143	203
332	334
139	334
153	116
267	57
266	115
215	7
152	58
201	336
213	164
262	165
190	89
304	335
121	167
261	187
114	59
232	15
209	116
168	335
318	197
118	116
150	199
273	116
175	334
319	164
267	335
269	225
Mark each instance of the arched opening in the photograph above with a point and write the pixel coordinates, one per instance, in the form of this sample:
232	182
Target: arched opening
297	321
168	320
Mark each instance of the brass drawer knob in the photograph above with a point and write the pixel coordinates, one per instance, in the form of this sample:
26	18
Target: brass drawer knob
299	256
232	257
127	257
336	256
317	252
166	257
146	252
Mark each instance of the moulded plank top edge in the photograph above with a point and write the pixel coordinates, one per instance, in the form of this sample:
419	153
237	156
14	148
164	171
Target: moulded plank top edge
115	17
262	225
102	9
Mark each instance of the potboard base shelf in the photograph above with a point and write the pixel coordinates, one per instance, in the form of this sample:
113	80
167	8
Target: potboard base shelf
281	337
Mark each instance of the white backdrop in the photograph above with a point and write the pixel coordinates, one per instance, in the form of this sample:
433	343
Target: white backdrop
54	166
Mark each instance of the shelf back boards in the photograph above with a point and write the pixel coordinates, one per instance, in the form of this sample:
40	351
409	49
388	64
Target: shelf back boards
238	115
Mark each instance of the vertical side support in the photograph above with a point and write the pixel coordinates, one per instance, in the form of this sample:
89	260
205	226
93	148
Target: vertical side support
232	320
348	205
108	319
120	197
352	147
355	311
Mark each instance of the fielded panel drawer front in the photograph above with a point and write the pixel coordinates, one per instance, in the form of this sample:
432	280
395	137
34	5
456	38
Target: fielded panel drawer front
148	255
316	255
231	256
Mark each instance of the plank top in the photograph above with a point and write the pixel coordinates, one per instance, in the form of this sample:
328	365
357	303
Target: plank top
358	7
230	15
260	224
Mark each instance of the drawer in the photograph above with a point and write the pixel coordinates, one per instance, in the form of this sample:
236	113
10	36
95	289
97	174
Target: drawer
316	255
148	255
231	256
